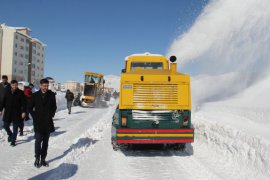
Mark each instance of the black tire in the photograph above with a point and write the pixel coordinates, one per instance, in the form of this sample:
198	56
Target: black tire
115	146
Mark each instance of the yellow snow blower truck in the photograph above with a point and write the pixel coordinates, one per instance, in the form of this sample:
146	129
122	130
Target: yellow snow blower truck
93	91
154	104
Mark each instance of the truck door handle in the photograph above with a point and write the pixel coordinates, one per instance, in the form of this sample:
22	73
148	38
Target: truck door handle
142	78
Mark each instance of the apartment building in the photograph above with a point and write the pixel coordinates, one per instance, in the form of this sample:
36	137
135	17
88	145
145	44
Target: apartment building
21	56
72	86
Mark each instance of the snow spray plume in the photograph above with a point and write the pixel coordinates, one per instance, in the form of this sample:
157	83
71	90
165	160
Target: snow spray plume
227	49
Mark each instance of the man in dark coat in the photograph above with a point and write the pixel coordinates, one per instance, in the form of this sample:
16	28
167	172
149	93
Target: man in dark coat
70	97
4	85
15	108
28	95
44	104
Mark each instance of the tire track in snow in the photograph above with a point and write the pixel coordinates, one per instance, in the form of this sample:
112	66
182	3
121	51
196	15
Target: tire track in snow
24	163
92	136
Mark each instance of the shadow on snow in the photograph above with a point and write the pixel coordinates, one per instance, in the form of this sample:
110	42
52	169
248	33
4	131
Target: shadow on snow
83	142
63	171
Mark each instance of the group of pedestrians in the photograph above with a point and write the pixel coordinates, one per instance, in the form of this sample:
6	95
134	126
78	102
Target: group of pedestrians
17	105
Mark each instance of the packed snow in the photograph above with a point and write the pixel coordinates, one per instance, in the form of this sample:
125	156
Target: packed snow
226	51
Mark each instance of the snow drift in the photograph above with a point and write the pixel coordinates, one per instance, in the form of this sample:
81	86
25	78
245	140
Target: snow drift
229	44
227	52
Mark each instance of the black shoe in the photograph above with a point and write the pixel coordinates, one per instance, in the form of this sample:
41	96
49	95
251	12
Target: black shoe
13	143
37	163
9	138
44	163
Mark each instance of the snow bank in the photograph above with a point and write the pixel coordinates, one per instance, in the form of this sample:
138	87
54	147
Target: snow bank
251	154
227	52
61	101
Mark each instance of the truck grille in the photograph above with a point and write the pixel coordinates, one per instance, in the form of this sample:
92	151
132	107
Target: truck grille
152	115
155	94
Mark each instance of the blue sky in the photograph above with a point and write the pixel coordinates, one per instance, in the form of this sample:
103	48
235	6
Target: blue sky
97	35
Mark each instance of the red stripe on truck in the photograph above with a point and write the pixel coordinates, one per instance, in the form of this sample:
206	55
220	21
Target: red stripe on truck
155	141
154	130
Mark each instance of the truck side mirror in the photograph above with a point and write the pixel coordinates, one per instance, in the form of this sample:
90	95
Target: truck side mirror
123	70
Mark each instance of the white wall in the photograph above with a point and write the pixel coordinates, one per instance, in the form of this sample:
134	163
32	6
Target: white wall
7	52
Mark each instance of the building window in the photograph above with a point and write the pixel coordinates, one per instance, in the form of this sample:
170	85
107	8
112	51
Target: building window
26	56
33	66
15	53
16	45
34	51
21	55
38	47
27	48
21	63
21	47
16	36
15	62
15	70
34	44
22	39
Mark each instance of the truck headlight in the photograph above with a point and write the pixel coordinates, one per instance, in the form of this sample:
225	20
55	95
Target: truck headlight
124	121
185	120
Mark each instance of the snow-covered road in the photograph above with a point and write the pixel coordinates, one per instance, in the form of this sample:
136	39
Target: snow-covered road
80	149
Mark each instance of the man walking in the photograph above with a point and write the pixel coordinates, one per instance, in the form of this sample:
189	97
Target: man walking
28	95
70	97
44	104
4	85
15	107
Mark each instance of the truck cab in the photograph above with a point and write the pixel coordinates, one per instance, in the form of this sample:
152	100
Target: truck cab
154	103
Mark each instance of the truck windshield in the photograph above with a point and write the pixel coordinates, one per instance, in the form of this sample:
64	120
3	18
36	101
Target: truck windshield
146	65
91	79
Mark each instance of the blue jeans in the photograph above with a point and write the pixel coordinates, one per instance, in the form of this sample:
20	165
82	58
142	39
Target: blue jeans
12	135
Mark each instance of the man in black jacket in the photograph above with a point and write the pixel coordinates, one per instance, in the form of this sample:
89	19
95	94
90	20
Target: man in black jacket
70	97
4	86
44	105
15	108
